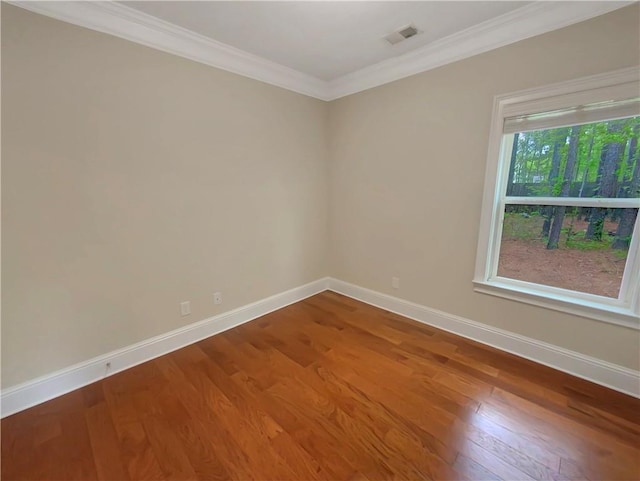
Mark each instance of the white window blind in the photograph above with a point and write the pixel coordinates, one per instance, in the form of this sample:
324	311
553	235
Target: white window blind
584	114
615	102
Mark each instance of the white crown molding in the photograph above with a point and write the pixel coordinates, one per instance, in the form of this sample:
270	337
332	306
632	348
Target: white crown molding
130	24
125	22
534	19
595	370
49	386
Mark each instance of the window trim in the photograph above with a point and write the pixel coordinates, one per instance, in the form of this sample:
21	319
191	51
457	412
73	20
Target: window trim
623	311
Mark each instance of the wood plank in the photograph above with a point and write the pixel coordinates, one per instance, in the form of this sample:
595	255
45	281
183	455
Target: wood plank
104	443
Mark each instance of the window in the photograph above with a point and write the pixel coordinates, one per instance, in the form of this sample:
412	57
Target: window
559	222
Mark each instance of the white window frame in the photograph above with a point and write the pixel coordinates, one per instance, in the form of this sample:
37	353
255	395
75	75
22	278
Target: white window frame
622	311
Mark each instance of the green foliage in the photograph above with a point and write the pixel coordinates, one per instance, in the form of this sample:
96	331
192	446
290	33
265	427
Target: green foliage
576	240
528	227
535	150
598	233
620	253
520	227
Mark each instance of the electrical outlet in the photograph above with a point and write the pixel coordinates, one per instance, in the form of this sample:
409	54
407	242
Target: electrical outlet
395	282
185	308
217	297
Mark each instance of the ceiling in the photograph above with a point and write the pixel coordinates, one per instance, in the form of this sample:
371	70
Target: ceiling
324	39
324	49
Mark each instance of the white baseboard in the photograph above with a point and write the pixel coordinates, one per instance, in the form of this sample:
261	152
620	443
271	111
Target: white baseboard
601	372
36	391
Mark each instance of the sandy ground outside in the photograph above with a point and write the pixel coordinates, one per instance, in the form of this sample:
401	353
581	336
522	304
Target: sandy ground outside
593	271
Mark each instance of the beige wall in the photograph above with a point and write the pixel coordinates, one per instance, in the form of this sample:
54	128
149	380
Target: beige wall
407	170
133	180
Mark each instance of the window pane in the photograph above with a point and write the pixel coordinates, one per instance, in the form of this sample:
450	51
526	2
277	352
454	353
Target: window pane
581	249
600	159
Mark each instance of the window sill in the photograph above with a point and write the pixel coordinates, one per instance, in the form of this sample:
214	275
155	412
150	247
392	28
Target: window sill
611	314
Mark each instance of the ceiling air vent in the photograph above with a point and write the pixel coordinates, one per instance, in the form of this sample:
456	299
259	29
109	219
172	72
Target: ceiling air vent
402	34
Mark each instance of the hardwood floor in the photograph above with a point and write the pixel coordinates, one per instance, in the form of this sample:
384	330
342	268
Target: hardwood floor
330	388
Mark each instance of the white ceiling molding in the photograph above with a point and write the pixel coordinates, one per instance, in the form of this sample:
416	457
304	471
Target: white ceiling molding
525	22
125	22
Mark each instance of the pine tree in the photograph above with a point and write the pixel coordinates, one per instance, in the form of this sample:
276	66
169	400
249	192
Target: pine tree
607	177
558	218
628	217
